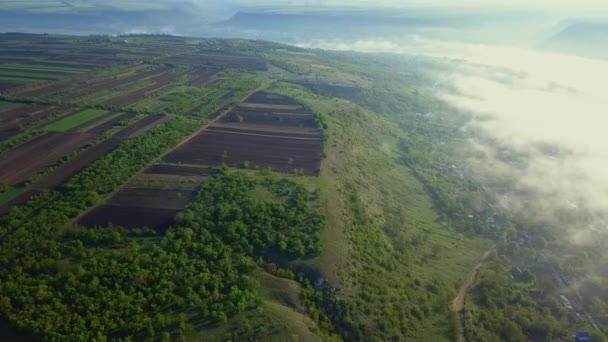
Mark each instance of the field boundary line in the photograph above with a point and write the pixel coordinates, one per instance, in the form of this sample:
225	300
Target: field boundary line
106	197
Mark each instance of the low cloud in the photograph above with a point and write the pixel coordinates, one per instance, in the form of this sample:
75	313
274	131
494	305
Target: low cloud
550	107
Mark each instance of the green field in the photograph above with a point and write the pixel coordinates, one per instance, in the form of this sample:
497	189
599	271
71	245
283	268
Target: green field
10	194
375	244
75	120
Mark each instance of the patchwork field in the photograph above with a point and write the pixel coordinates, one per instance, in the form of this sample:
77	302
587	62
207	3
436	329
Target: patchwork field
23	162
211	58
64	137
75	120
286	141
16	118
136	207
129	217
260	138
353	235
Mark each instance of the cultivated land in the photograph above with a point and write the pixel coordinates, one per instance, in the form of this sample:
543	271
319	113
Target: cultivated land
260	139
165	188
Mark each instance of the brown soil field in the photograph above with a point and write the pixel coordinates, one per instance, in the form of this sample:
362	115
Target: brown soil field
8	106
42	91
129	217
18	201
285	132
152	198
272	99
219	60
107	84
279	153
7	133
203	78
21	111
39	118
26	160
72	167
273	107
26	115
269	118
255	108
136	95
98	130
179	170
16	117
4	86
53	87
142	126
62	64
168	182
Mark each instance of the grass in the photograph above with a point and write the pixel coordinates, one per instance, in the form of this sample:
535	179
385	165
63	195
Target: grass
279	315
95	123
10	194
397	264
75	120
262	194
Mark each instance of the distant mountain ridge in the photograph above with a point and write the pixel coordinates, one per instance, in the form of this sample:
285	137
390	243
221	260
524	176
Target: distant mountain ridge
583	38
334	18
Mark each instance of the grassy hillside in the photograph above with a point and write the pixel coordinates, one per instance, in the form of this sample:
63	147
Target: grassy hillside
371	246
388	257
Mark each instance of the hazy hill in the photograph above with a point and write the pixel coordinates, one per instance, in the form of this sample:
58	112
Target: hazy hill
582	38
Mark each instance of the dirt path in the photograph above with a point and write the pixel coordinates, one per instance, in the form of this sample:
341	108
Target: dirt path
458	302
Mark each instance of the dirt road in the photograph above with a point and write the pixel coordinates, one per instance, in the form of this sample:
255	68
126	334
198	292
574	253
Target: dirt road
458	302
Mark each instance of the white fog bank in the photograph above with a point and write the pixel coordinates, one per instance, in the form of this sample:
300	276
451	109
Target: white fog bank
533	98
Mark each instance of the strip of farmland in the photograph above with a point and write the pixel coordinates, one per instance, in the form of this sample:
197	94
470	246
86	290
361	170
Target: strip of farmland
100	129
107	84
178	170
142	126
158	82
285	141
129	217
203	78
269	118
75	120
219	61
72	167
315	134
266	98
257	151
18	201
153	198
14	120
4	85
20	164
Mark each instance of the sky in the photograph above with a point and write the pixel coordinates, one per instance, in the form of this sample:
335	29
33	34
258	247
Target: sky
510	4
